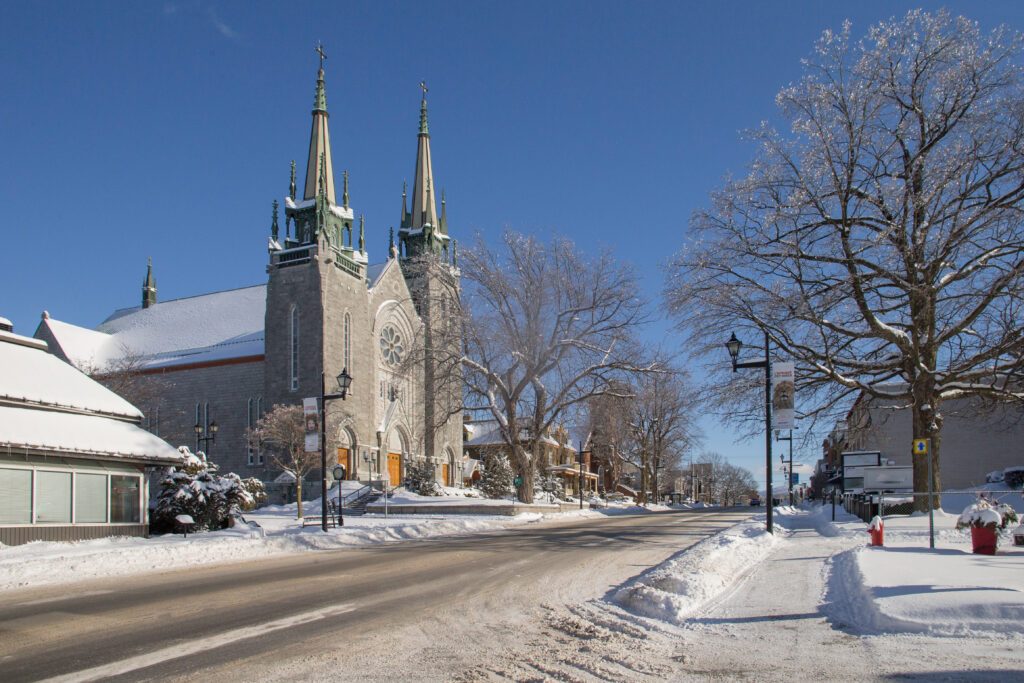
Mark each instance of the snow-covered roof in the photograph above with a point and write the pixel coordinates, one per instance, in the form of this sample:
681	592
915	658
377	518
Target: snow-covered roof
62	432
469	466
488	433
195	329
33	376
373	273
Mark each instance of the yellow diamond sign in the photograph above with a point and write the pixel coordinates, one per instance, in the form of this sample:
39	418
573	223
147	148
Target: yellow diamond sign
920	446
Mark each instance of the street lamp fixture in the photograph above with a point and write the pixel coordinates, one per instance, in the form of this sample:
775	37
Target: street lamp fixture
344	381
206	440
734	345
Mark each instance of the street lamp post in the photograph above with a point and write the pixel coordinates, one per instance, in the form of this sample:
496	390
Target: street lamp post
206	440
344	382
580	482
779	437
734	345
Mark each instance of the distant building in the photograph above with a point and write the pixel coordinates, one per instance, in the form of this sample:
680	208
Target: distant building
976	439
228	357
558	457
73	454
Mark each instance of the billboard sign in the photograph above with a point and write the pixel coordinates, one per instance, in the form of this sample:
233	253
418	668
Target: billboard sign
783	396
311	418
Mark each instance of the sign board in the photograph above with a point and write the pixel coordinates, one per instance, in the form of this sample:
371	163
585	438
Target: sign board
783	396
311	418
860	458
794	478
889	479
921	446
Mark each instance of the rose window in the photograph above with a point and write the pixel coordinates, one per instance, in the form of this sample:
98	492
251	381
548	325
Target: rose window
391	345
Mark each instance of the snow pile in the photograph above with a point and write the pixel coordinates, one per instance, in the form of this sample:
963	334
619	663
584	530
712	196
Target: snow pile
45	563
689	580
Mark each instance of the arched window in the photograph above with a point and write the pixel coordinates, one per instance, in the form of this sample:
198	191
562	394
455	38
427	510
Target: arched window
295	348
347	340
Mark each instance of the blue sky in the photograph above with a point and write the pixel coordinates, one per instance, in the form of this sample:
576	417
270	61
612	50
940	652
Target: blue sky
130	130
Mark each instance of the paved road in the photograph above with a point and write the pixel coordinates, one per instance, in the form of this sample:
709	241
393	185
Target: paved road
365	610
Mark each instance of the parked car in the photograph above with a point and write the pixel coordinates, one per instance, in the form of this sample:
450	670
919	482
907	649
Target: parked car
755	502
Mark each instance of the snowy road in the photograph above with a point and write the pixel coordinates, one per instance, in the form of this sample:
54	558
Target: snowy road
425	610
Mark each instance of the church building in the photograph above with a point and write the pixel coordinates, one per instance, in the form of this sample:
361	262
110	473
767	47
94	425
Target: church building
209	366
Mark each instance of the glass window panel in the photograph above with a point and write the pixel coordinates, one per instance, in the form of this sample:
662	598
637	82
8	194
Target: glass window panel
15	496
90	498
124	499
53	497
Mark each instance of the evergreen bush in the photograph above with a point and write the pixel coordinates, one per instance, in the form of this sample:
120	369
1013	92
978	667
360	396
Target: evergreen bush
194	488
496	477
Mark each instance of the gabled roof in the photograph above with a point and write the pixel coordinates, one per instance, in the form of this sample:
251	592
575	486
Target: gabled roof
208	327
32	376
48	405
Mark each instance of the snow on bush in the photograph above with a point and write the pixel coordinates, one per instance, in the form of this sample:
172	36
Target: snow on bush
195	489
994	477
676	589
496	478
419	477
985	513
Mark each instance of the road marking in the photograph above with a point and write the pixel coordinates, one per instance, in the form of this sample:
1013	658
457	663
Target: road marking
192	647
43	601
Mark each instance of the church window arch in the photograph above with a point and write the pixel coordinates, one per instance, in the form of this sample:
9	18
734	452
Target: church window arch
294	355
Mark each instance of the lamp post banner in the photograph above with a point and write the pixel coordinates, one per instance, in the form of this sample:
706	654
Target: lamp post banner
311	417
783	393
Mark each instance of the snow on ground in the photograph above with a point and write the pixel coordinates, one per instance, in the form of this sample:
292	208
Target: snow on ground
278	532
903	587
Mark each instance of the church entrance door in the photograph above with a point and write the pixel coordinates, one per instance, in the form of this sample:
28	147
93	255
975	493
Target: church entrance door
345	458
446	474
394	468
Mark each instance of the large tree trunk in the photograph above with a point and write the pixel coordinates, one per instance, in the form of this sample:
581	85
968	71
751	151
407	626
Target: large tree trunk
523	465
926	425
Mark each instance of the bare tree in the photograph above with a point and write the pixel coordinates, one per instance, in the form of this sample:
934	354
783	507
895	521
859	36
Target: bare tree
610	433
662	424
283	428
879	244
125	375
548	330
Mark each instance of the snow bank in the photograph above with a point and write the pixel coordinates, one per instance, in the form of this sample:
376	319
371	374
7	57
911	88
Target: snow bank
675	589
45	563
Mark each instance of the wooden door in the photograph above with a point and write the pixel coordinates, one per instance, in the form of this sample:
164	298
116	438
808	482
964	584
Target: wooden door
395	468
345	458
444	474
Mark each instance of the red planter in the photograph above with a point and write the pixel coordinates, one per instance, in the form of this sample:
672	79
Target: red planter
983	540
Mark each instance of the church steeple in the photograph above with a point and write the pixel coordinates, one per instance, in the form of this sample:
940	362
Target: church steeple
149	286
319	142
424	209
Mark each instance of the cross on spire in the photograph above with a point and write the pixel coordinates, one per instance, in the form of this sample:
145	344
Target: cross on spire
319	49
423	87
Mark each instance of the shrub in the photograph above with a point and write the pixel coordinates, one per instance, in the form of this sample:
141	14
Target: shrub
194	488
419	478
496	478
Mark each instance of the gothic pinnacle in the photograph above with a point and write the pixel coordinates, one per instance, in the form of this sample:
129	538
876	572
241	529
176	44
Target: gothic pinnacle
273	223
291	185
362	233
344	191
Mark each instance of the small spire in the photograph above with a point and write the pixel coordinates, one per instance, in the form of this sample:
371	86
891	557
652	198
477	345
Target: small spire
455	253
149	286
344	191
404	213
424	129
291	185
362	233
391	241
444	213
273	223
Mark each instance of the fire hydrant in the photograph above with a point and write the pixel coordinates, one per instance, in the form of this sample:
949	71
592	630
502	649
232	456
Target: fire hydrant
877	530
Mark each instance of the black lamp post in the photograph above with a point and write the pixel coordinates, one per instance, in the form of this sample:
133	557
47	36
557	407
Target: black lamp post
344	382
206	440
580	487
779	437
734	345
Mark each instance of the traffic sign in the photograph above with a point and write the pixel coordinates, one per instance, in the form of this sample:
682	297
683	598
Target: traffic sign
920	446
